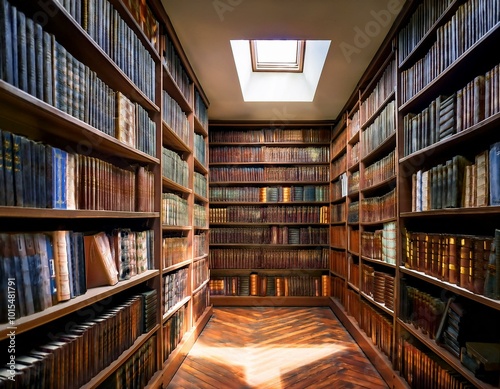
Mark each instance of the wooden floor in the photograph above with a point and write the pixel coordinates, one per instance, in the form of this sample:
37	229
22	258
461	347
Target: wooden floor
264	348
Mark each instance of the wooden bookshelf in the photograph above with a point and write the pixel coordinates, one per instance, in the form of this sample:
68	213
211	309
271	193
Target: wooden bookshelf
34	114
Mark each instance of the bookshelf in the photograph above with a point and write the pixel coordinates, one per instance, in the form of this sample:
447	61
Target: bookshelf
436	159
107	110
269	212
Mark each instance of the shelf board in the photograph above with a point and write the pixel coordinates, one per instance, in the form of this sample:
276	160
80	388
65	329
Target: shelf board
269	301
378	305
196	259
171	87
354	195
382	149
176	266
339	200
485	127
198	127
199	167
35	118
298	143
378	261
113	366
337	248
46	213
270	272
200	199
201	228
174	309
338	223
176	228
389	182
492	210
445	355
495	304
353	168
352	252
354	139
377	112
169	184
376	77
378	222
200	287
352	286
92	296
460	66
172	140
338	275
338	153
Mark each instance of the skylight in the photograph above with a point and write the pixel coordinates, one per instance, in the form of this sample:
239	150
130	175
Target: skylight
277	55
280	84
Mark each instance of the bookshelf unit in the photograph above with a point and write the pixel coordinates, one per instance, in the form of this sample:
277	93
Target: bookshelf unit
269	212
444	107
83	95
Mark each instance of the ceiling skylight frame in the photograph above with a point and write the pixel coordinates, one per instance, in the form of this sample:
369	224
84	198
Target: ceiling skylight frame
296	66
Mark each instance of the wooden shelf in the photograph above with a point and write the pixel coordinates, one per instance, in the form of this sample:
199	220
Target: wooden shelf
175	308
269	203
389	183
378	261
171	87
62	309
200	199
172	185
377	112
299	144
266	183
263	163
378	222
387	145
492	211
198	127
267	245
176	228
46	213
199	167
377	304
179	265
259	224
172	140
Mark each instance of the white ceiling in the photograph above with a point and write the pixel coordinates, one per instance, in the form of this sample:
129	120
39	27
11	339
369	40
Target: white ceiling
205	28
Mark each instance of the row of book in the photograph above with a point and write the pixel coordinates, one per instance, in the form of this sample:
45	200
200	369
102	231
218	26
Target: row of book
377	327
337	213
338	263
137	370
353	182
72	358
201	273
338	143
174	250
200	244
174	167
200	184
266	285
200	149
382	90
260	258
469	261
175	117
270	194
458	183
339	166
377	285
382	128
200	216
33	61
175	67
145	18
353	212
353	124
270	135
49	268
380	244
275	174
374	209
174	329
380	170
471	21
268	154
107	28
354	155
354	243
340	187
175	288
422	19
269	214
338	236
174	210
201	300
200	109
39	175
269	235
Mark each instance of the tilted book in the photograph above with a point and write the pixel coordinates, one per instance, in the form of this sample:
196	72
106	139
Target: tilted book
99	262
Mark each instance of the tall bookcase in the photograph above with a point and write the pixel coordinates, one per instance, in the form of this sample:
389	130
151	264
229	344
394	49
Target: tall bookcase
269	197
436	256
102	114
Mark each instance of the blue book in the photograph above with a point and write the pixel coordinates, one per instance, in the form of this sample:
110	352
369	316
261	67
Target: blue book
8	168
6	64
52	269
27	172
18	269
59	158
48	76
495	174
22	60
41	176
71	263
17	170
40	241
13	44
30	57
35	272
39	61
49	172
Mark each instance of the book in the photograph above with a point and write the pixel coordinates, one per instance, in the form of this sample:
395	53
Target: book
125	120
494	173
6	53
17	171
60	252
40	243
99	262
487	354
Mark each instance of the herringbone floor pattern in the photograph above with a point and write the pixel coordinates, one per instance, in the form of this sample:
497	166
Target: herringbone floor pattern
275	348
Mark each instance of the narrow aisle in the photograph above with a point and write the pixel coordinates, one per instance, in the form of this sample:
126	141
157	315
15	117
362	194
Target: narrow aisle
275	348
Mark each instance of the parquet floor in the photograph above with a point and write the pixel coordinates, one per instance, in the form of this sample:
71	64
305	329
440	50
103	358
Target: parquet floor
275	348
